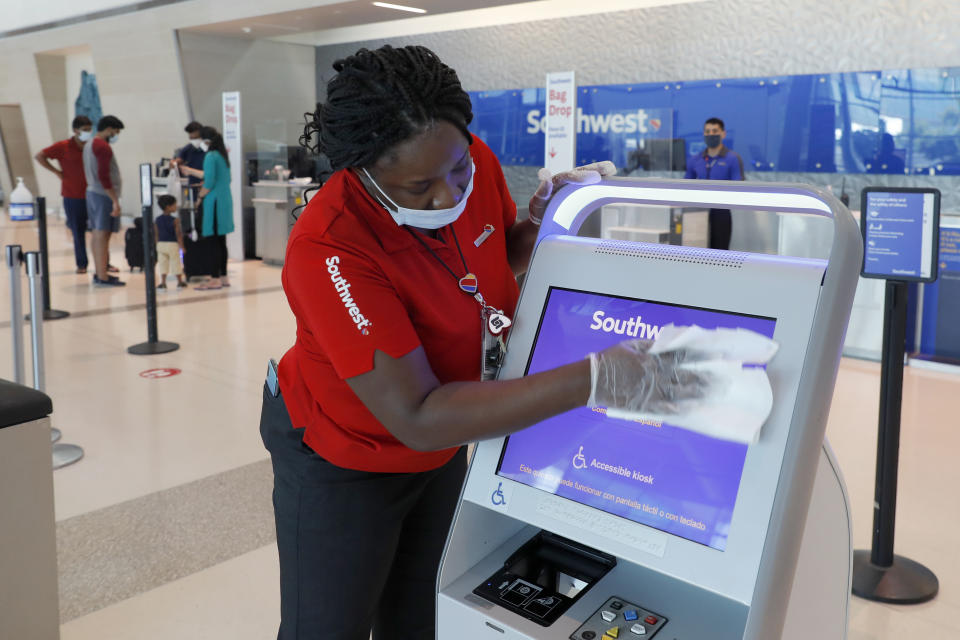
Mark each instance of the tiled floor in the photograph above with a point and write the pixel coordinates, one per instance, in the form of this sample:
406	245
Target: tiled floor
145	438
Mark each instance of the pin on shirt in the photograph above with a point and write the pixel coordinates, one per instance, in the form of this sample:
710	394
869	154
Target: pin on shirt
488	229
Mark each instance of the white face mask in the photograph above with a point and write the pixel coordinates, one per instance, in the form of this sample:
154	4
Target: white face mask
113	139
84	136
427	218
205	146
197	143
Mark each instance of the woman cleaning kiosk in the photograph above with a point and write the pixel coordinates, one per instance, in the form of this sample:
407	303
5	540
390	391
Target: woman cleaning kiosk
401	274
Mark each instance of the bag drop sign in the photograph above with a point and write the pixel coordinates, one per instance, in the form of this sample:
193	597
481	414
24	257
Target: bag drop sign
561	122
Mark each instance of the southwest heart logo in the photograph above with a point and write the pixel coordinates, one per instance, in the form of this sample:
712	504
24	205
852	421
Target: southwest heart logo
468	283
655	123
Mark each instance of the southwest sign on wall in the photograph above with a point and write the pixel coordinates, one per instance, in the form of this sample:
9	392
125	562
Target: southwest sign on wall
892	122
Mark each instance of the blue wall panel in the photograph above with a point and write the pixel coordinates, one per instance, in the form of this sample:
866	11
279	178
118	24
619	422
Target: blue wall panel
892	122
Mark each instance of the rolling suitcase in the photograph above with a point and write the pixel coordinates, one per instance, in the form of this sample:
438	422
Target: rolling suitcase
133	245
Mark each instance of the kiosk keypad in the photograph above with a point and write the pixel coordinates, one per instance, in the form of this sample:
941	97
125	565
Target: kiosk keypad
619	618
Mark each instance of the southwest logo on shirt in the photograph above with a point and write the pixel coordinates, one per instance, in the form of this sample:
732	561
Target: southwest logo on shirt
343	288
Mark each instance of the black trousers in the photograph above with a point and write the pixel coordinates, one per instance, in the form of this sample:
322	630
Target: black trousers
721	227
76	210
218	244
359	551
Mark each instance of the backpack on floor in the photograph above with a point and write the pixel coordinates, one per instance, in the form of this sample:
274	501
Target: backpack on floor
133	244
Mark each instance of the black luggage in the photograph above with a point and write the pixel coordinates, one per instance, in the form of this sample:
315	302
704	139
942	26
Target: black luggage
198	257
133	244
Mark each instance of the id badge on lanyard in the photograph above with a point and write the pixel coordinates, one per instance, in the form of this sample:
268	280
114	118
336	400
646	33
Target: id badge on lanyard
709	165
494	323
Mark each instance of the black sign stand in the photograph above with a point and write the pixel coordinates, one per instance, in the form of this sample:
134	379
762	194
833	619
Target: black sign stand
153	345
879	574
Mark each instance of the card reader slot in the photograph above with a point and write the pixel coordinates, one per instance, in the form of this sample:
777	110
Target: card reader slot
544	577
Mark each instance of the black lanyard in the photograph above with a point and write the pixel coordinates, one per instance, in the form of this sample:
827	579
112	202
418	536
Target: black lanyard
469	285
493	319
708	164
463	260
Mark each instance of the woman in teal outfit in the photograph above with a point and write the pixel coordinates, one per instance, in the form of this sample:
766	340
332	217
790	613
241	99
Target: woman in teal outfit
217	204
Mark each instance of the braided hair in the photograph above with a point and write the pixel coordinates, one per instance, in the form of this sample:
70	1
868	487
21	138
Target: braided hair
380	98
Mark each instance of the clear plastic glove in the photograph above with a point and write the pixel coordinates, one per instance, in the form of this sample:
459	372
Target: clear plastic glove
588	174
630	378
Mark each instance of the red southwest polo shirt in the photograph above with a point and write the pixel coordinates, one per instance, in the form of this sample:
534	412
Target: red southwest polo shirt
358	282
70	156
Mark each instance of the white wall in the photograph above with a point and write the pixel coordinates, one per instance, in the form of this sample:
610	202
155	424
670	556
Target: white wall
135	58
276	81
75	63
53	82
18	14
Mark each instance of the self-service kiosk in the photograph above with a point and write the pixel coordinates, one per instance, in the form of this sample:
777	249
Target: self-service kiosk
590	528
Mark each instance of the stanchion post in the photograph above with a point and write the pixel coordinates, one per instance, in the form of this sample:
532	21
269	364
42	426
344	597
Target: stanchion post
14	263
879	574
35	279
150	274
48	313
888	440
153	345
63	454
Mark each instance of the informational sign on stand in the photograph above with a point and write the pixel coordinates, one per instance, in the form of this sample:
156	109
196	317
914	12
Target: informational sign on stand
146	185
560	147
233	140
899	234
900	230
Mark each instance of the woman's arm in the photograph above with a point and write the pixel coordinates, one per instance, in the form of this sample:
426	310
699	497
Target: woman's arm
520	240
176	226
406	397
523	235
209	174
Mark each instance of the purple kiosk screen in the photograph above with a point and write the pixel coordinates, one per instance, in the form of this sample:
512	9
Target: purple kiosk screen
665	477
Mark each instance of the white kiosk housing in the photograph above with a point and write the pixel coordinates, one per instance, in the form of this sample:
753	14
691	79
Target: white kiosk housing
590	528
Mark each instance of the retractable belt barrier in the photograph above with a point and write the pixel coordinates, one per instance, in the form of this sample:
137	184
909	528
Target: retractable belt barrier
63	454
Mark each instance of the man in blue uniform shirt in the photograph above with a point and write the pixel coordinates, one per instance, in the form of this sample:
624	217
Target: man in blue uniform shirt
191	155
717	162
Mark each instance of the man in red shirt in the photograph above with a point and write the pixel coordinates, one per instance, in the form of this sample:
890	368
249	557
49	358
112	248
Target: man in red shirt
73	184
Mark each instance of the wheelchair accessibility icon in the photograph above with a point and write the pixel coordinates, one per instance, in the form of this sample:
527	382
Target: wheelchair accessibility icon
497	497
579	462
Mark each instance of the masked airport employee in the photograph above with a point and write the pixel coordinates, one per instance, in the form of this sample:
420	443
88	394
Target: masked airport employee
400	272
716	162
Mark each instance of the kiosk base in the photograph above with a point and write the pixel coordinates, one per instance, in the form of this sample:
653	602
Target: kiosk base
903	582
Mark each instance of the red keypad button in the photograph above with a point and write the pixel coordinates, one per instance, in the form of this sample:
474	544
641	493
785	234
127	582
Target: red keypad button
651	620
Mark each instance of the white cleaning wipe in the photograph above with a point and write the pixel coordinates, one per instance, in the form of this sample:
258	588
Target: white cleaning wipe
736	345
738	399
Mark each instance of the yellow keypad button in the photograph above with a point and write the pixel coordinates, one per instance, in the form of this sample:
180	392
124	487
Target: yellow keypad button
612	632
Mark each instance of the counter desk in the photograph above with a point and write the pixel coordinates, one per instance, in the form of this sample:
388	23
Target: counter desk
274	203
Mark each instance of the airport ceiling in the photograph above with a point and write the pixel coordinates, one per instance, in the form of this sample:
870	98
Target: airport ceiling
338	15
